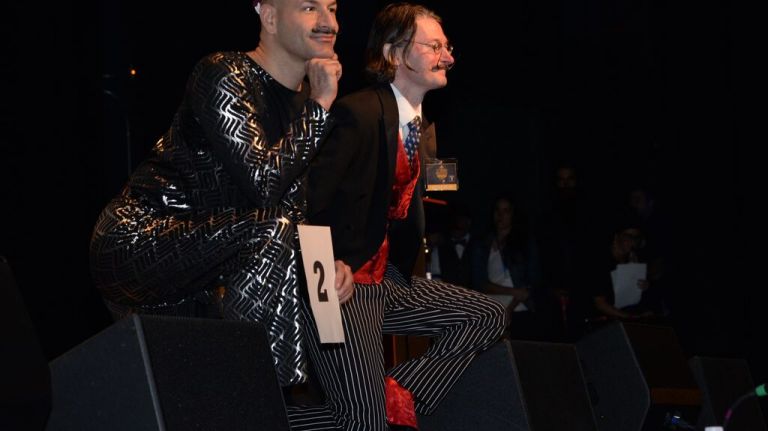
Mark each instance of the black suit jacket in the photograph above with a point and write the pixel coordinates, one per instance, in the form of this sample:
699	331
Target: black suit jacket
350	182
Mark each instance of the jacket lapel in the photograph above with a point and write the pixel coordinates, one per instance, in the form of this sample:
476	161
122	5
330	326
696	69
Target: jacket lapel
391	124
428	141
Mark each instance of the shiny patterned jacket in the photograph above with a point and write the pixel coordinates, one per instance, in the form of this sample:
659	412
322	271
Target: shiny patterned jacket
210	216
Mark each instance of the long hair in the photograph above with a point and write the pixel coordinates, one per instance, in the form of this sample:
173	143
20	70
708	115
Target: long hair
516	242
395	24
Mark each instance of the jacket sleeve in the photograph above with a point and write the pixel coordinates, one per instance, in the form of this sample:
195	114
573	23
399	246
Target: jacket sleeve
225	104
329	168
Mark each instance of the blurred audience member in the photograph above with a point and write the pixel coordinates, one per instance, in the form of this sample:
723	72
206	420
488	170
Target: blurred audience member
626	247
506	263
570	247
450	253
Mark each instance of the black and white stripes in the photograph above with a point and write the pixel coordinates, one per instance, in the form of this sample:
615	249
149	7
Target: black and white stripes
463	323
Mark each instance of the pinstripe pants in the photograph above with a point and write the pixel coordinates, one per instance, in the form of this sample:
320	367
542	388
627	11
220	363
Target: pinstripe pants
351	374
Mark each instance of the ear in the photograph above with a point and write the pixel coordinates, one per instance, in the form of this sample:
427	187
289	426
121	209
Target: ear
268	16
386	50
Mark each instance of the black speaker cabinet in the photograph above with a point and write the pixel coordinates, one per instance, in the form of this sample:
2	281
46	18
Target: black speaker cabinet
722	381
25	382
553	385
168	373
486	397
638	377
520	386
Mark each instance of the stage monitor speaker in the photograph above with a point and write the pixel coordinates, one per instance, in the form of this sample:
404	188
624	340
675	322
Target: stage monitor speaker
520	386
486	397
25	382
554	388
722	381
168	373
638	377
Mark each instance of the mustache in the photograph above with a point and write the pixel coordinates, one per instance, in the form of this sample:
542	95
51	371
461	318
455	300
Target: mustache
325	30
442	66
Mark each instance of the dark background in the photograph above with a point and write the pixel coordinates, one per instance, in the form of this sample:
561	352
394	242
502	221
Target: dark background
650	91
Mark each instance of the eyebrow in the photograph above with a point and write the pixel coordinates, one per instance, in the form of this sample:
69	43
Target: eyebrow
317	2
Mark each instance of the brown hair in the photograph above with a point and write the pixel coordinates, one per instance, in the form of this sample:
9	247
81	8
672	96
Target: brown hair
395	24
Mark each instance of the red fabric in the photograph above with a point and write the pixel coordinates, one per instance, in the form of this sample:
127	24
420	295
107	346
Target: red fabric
399	404
406	176
373	270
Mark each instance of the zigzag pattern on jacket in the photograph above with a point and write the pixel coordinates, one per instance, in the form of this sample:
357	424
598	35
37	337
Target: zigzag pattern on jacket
216	206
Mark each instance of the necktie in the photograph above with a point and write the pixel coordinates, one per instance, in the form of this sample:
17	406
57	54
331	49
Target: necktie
412	140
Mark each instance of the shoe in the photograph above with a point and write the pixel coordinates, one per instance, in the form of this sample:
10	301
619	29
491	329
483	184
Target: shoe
401	411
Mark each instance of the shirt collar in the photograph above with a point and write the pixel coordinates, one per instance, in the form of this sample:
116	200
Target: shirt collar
405	111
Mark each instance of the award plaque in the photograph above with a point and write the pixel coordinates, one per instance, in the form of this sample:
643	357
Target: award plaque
441	175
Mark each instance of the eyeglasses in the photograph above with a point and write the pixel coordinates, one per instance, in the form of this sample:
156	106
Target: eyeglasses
437	47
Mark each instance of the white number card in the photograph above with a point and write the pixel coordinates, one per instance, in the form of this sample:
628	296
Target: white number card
320	271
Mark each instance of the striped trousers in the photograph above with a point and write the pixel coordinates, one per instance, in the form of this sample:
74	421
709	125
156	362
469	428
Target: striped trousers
462	322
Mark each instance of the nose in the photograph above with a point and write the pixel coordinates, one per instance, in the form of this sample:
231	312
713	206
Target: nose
328	19
446	57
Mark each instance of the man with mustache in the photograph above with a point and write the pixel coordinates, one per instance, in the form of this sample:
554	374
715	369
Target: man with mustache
365	183
206	226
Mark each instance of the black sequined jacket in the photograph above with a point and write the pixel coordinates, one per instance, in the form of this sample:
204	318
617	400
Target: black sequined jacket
211	214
